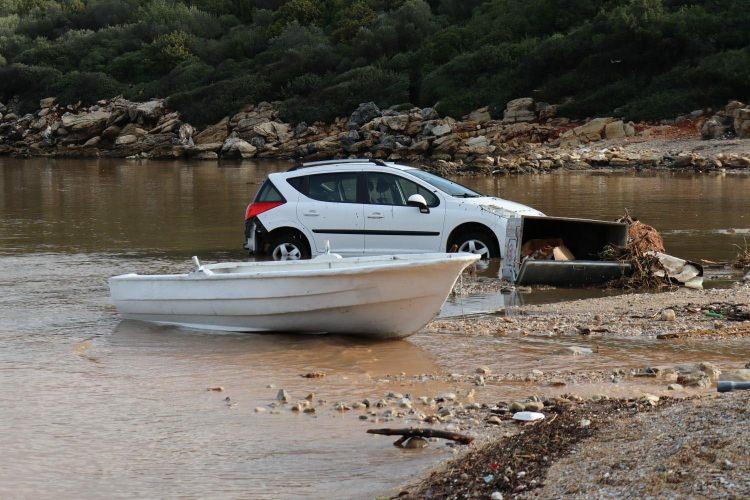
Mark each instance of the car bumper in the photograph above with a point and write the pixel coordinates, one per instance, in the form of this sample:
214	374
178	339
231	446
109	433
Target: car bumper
254	233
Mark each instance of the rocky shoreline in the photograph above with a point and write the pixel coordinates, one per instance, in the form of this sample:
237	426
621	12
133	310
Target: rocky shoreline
528	138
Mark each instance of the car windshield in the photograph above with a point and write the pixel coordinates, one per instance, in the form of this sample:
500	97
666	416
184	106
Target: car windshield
444	185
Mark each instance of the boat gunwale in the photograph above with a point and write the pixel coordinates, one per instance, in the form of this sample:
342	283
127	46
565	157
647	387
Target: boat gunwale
376	265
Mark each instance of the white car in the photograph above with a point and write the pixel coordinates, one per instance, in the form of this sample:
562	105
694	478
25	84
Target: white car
370	207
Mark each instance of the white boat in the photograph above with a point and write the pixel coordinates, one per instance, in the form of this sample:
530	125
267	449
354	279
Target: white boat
390	296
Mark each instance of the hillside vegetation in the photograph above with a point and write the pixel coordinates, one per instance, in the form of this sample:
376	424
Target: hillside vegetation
640	59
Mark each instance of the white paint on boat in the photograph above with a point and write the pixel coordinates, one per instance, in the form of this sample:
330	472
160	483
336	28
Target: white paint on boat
390	296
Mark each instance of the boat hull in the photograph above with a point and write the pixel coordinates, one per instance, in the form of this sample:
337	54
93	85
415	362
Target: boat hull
381	298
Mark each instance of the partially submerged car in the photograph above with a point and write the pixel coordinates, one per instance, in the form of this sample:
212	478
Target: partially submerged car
372	207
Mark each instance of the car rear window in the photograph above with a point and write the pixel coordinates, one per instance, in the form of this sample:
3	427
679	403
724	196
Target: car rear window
268	192
334	188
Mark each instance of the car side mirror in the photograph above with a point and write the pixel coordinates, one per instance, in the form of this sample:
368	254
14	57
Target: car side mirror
417	200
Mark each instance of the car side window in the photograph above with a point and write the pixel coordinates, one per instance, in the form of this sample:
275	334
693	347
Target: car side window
334	188
388	189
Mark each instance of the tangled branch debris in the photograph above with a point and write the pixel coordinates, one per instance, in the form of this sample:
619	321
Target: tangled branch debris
647	271
742	260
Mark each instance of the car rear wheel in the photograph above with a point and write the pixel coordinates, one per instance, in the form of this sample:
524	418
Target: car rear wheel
288	247
478	243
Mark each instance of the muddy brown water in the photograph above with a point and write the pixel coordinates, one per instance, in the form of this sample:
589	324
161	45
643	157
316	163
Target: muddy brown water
92	406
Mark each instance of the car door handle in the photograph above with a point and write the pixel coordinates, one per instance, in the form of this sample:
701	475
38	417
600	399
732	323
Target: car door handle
375	215
311	213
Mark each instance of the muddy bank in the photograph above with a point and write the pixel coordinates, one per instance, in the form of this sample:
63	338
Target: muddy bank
527	138
679	313
609	448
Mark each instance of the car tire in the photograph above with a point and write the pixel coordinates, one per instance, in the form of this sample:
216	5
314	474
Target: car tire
288	246
476	242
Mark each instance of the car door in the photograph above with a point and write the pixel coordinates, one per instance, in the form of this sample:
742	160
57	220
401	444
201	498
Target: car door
391	226
330	210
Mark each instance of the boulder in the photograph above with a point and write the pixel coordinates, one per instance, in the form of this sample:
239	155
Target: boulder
519	110
714	128
234	147
742	122
213	133
440	130
396	123
150	110
85	121
429	114
614	130
125	140
47	102
364	113
480	115
273	131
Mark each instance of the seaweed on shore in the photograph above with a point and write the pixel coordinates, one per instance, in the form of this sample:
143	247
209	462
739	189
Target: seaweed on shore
518	463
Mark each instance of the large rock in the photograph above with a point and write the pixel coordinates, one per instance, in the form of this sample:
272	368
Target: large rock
480	115
213	133
364	113
714	128
520	110
397	122
85	121
47	102
125	140
614	130
273	131
742	123
234	147
150	110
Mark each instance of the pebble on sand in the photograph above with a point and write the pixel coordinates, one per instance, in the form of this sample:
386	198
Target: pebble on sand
668	315
282	396
216	389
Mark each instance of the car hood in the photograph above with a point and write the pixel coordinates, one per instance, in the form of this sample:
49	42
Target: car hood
501	206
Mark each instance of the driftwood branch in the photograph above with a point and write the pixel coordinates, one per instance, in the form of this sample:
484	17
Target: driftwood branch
425	433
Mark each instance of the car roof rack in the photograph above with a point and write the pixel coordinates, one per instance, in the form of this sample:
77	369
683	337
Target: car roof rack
335	162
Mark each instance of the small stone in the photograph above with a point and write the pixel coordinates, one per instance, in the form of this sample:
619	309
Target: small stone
382	403
341	406
585	422
674	387
314	375
404	403
496	495
479	380
260	409
533	406
394	395
495	420
576	350
358	406
309	410
650	399
282	396
416	443
668	315
483	370
310	396
297	407
446	396
516	406
363	417
216	389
